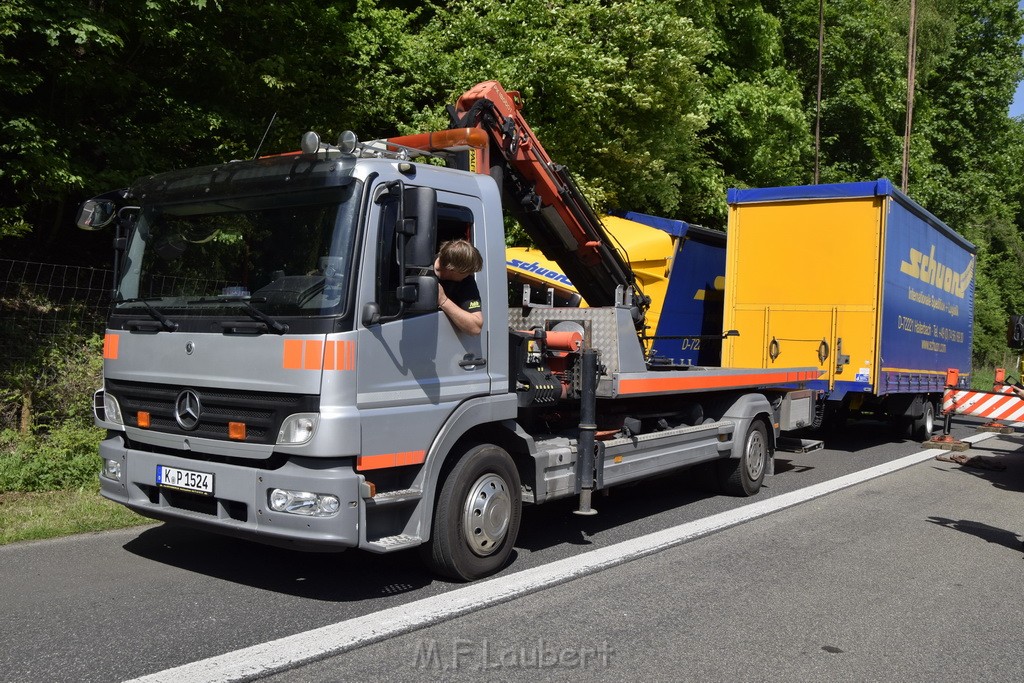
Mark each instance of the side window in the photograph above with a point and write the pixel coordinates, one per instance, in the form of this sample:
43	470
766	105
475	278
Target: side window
454	222
388	271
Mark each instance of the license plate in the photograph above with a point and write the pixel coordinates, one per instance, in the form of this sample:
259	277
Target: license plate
184	480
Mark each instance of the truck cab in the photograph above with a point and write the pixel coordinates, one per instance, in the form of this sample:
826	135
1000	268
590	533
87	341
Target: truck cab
246	293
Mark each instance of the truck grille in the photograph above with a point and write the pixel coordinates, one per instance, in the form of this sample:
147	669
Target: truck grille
262	412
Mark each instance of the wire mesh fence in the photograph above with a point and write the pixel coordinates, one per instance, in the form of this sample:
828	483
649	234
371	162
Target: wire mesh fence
43	303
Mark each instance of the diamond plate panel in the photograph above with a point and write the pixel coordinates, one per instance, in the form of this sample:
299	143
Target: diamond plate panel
606	330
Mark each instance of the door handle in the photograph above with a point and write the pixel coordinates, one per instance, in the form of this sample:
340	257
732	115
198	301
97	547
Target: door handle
471	362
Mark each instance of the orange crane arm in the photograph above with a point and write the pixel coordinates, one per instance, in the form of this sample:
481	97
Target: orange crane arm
537	192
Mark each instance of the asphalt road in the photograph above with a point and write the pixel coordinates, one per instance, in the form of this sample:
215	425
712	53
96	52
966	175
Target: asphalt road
120	605
914	576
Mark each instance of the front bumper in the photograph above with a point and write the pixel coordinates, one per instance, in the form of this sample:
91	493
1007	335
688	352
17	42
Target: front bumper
239	505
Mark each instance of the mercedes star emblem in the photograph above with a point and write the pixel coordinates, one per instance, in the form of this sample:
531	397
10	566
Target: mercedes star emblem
187	409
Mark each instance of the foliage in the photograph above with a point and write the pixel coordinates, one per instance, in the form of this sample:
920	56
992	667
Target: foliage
970	176
62	459
613	90
99	93
47	439
758	129
53	375
966	153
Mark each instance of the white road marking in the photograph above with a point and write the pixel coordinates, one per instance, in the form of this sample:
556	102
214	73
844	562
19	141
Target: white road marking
290	651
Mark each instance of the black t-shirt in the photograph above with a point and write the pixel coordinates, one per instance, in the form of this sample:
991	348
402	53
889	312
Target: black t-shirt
465	293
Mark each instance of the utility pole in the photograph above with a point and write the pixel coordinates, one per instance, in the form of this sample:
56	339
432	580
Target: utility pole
911	75
817	110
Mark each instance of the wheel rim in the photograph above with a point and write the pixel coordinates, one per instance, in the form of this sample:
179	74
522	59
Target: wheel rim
929	420
486	515
757	450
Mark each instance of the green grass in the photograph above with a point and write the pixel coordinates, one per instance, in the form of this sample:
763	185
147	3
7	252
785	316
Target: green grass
35	516
982	379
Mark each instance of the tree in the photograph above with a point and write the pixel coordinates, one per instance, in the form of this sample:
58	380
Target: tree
758	130
100	95
971	176
612	89
965	151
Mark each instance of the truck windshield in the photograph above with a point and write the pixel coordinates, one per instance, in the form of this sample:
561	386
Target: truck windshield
265	257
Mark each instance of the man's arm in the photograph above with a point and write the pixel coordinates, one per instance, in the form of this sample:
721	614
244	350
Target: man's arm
464	321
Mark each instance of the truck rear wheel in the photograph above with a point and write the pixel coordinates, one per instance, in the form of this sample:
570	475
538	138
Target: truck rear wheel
476	520
922	427
743	476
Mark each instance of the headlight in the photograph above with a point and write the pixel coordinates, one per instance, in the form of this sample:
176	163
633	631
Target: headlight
303	502
111	409
298	428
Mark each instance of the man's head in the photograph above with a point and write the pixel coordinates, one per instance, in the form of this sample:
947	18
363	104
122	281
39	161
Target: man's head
457	260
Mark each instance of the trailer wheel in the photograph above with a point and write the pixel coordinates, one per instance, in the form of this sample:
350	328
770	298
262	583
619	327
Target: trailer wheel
476	520
743	476
923	426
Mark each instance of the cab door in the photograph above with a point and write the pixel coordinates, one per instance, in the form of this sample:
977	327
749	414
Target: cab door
412	369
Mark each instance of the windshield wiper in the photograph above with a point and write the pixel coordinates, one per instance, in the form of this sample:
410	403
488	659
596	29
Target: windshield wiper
255	313
164	321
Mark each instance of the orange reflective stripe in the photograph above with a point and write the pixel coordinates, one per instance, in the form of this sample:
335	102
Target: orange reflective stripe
696	381
377	462
314	355
330	355
110	346
292	354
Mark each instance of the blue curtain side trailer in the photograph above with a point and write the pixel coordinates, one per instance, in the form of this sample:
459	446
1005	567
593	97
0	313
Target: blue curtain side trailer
858	279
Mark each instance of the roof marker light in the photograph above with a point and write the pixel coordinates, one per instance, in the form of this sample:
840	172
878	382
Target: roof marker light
347	142
310	143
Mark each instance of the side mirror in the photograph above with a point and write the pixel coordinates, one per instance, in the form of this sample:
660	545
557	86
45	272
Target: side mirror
420	226
1015	332
420	292
96	214
415	230
371	314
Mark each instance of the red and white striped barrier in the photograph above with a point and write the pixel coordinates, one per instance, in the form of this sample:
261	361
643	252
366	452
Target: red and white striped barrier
994	405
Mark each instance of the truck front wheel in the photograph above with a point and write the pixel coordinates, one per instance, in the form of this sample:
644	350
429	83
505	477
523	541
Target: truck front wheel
743	476
476	520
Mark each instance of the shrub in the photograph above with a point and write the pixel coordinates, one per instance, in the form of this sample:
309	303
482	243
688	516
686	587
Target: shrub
65	458
57	448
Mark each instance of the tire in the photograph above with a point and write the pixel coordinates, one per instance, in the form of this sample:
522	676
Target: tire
743	476
923	426
477	516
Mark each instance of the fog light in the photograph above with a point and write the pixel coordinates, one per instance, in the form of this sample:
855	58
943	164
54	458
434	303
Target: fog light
298	428
112	469
303	503
329	504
